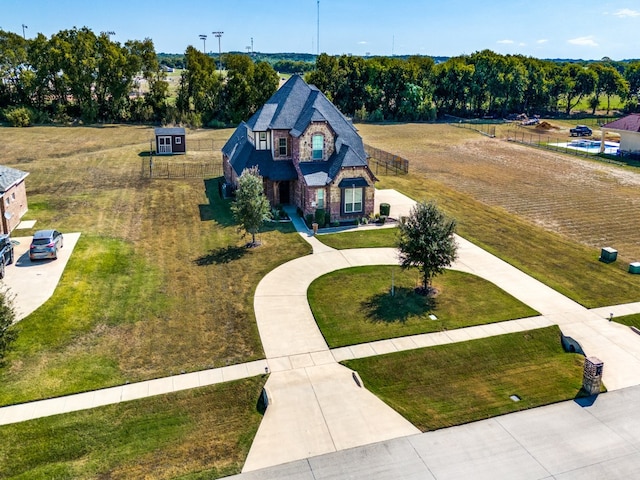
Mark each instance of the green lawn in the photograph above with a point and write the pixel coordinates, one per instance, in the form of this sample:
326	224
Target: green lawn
453	384
629	320
205	432
355	305
360	238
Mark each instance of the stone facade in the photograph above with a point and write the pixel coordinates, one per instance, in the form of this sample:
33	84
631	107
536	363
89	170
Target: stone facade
305	148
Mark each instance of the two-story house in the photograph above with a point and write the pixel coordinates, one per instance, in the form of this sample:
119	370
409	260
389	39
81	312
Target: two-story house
307	153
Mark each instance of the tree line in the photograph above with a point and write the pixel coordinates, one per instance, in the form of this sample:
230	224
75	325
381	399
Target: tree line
481	84
78	75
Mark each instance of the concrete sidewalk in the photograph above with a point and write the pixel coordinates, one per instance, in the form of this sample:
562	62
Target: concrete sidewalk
317	406
132	391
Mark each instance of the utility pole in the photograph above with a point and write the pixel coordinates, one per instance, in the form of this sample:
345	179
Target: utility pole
318	30
108	33
219	35
203	37
251	45
23	27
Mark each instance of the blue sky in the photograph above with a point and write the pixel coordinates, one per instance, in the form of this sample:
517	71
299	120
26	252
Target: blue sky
587	29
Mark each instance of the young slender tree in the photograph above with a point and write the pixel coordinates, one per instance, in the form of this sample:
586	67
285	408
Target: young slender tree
7	318
251	207
426	242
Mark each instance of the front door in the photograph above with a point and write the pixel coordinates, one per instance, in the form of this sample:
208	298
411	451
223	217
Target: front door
164	145
283	193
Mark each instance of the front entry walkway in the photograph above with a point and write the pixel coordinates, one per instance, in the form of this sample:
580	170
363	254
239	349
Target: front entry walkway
313	404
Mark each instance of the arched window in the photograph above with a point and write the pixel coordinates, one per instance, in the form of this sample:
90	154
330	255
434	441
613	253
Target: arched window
318	147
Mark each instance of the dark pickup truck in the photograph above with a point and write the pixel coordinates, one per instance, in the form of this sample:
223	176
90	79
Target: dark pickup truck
580	131
6	253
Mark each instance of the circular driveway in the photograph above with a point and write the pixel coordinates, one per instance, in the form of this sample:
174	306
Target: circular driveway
33	283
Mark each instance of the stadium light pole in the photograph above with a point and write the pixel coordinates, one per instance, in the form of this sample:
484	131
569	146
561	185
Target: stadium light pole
108	33
23	34
219	35
204	43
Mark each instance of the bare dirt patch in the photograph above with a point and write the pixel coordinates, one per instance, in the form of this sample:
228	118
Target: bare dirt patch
589	201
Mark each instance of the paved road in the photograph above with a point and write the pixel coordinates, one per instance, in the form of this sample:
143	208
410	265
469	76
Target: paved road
565	441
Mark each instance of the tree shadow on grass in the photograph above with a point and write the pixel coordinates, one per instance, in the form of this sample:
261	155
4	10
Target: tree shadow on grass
218	208
398	308
221	255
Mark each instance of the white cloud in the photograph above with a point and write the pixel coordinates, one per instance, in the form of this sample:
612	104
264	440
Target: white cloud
626	12
541	41
522	44
506	42
362	42
584	41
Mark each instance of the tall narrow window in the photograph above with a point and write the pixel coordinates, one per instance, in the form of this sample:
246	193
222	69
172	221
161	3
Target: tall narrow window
282	147
352	200
318	147
320	198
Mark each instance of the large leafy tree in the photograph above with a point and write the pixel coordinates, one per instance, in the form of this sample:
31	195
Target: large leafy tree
426	242
251	207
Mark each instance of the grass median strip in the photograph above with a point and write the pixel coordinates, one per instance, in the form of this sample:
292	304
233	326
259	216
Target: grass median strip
453	384
205	432
629	320
355	305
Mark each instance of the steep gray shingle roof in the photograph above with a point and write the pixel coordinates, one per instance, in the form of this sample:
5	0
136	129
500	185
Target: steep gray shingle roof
242	154
9	177
293	108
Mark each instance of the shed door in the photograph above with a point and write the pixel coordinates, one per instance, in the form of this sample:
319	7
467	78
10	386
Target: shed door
164	145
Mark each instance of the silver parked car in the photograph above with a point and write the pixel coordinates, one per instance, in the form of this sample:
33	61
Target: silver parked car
45	244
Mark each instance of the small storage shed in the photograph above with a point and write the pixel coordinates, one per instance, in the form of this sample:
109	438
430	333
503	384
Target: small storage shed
170	141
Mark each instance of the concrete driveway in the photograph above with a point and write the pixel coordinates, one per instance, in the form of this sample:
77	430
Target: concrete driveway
33	283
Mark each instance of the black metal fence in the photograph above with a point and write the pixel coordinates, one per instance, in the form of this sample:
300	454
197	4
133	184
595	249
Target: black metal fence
385	163
485	126
202	144
560	144
155	168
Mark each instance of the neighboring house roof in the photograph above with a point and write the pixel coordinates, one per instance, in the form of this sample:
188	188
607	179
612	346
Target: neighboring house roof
293	108
10	177
630	123
170	131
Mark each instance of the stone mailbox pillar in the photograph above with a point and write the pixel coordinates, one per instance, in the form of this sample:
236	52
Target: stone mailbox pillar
592	378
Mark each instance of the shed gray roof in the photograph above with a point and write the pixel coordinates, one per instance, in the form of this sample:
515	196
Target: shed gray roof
10	177
170	131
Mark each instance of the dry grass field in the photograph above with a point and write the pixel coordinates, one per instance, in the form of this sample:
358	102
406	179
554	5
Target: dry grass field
590	202
159	283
